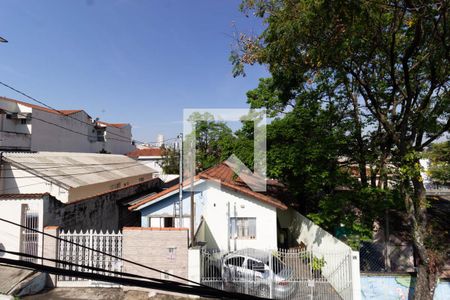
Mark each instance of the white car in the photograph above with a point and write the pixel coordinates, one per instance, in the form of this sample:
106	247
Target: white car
257	273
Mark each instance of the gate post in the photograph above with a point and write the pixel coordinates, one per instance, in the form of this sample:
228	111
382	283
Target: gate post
194	264
356	276
50	250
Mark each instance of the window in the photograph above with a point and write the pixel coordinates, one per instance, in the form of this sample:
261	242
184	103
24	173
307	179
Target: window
243	228
23	121
169	222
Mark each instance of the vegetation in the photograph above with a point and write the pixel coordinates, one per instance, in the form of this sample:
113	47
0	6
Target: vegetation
373	75
439	156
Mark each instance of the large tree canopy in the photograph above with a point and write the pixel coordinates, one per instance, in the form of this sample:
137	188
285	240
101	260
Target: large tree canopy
389	59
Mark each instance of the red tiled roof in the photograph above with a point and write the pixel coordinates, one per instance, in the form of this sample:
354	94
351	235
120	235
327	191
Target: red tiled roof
145	152
226	176
65	112
21	196
117	125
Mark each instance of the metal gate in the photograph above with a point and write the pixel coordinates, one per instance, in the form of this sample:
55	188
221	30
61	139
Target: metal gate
71	250
29	235
279	274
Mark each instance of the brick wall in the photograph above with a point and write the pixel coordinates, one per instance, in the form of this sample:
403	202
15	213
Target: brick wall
151	247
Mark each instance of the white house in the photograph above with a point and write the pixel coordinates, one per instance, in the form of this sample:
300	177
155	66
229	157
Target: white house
152	157
76	191
29	127
228	214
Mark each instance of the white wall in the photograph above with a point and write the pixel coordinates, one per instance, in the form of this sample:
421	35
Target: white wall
152	162
48	137
17	181
215	213
12	210
118	140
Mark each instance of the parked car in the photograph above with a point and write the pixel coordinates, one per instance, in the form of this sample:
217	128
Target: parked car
258	273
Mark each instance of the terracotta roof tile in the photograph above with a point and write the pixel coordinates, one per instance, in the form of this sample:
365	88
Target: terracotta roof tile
145	152
117	125
65	112
227	178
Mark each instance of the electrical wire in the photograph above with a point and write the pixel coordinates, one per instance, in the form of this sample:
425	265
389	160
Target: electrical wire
62	262
69	116
63	175
101	252
203	291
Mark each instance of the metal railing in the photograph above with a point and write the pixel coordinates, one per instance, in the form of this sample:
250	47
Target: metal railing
71	251
279	274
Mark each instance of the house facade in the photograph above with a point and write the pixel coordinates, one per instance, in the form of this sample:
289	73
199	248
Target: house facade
29	127
228	215
76	191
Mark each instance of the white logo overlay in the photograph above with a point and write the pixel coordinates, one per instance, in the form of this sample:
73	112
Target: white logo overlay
255	180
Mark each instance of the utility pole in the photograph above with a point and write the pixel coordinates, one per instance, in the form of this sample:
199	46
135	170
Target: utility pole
192	205
178	205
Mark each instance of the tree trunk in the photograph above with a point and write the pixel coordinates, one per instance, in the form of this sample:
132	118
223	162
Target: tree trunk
426	268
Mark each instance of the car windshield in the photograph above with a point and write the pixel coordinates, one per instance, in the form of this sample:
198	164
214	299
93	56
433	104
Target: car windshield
277	265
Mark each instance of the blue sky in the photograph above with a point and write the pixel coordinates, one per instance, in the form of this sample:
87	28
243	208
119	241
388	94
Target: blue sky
132	61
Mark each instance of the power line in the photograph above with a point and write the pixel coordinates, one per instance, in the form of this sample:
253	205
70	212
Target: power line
21	254
64	175
203	291
101	252
58	166
69	116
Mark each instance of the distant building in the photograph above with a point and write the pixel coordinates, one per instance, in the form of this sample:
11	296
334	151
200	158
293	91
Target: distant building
29	127
152	157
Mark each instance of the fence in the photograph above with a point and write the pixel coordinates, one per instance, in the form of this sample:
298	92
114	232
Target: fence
29	236
106	242
279	274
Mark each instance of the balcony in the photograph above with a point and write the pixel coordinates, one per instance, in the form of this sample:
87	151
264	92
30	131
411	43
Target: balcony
14	141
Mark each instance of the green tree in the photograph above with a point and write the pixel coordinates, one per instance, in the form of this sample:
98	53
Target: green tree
393	58
170	163
439	156
214	140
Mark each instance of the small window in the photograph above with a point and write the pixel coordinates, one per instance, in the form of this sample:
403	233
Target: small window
8	116
23	121
243	228
141	179
169	222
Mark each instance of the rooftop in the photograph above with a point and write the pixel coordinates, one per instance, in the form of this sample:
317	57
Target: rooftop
73	170
227	178
145	152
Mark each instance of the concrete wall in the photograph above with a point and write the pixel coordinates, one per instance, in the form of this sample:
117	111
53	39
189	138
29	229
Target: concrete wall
150	247
98	213
48	137
11	210
18	181
393	287
303	230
